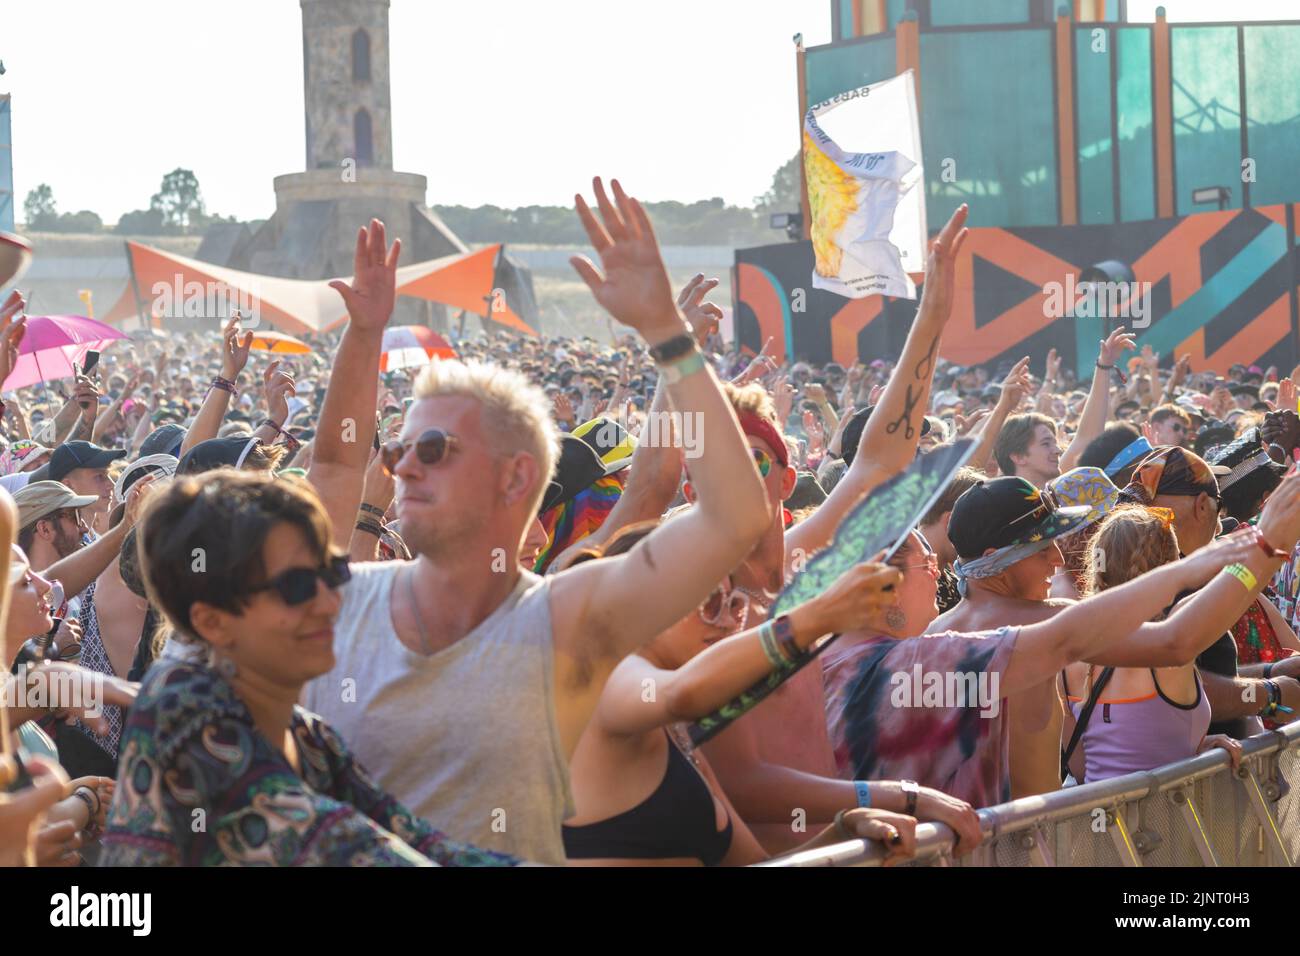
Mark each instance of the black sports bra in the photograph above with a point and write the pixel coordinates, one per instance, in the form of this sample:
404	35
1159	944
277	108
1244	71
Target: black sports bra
677	820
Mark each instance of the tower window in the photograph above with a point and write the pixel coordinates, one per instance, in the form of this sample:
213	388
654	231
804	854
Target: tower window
361	134
361	57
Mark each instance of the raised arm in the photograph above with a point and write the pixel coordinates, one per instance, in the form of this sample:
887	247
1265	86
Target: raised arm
1073	635
615	605
1097	408
82	566
716	675
1014	388
234	356
890	439
345	428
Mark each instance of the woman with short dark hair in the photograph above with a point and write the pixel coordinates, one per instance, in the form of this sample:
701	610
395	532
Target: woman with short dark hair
219	765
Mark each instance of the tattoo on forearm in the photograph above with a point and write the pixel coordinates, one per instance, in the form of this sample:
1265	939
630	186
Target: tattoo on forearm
920	374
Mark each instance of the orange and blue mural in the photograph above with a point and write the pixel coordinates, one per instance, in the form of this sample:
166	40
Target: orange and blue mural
1222	287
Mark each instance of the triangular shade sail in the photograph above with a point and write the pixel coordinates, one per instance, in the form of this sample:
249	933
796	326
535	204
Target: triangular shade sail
167	282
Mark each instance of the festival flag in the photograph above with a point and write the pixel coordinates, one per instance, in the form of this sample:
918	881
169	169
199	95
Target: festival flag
867	208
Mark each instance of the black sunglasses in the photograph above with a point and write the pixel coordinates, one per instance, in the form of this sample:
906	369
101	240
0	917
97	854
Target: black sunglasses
431	447
298	585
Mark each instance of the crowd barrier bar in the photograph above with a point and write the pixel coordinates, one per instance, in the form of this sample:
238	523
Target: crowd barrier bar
1196	812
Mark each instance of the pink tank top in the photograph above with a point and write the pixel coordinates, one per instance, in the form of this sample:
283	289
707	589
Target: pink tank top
1126	736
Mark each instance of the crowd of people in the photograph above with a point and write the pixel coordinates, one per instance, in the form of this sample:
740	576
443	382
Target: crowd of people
463	613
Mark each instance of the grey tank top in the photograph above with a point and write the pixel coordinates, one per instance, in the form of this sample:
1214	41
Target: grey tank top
466	738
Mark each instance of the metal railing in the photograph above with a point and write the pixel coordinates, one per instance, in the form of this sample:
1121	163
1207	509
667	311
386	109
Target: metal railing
1197	812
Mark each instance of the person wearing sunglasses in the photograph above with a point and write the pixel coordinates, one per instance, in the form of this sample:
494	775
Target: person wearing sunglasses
1171	425
643	796
460	658
242	568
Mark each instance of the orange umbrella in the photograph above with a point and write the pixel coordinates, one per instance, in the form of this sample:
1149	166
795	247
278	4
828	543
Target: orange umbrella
269	341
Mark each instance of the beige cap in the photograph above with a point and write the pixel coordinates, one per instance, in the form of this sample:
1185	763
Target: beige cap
41	498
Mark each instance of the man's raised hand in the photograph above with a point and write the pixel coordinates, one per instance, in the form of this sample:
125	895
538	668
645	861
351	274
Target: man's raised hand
634	288
234	348
369	299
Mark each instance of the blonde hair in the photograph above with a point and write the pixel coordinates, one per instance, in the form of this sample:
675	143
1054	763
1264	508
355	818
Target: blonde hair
1131	541
515	412
752	398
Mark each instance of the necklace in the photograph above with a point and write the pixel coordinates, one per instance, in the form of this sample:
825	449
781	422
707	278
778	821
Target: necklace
415	607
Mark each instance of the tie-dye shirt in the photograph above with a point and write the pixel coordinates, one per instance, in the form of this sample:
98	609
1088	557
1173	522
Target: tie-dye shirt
894	712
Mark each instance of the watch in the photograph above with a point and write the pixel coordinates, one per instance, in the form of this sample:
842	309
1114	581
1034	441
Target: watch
913	791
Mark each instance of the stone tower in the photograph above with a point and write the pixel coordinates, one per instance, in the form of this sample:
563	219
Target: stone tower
345	83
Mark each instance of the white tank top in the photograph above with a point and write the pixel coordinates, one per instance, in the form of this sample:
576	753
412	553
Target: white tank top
467	738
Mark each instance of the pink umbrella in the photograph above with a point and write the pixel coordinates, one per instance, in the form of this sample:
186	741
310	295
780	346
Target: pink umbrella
407	346
52	343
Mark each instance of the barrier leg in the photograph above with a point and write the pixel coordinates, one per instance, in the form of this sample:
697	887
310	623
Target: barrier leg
1035	841
1118	831
1258	802
1183	800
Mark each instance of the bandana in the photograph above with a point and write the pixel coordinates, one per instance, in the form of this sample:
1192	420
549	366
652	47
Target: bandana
756	426
991	565
571	521
1170	470
1133	450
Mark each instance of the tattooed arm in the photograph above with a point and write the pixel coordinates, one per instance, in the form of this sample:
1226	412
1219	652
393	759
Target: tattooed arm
890	440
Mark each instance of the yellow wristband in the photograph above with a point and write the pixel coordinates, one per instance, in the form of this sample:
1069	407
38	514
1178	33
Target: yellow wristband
1242	574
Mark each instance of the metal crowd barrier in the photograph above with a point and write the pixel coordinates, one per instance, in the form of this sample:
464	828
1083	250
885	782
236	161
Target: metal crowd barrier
1197	812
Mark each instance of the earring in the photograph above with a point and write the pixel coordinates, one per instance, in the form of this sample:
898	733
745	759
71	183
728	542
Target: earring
895	619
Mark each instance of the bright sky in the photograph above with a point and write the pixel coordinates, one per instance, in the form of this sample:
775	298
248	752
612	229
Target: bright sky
510	102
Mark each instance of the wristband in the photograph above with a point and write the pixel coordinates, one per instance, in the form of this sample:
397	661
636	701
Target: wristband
768	641
224	384
371	527
1242	574
1268	670
372	509
675	348
1264	546
674	373
288	439
864	792
784	631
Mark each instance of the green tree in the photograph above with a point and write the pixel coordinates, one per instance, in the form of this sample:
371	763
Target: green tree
140	222
783	194
179	201
39	210
84	221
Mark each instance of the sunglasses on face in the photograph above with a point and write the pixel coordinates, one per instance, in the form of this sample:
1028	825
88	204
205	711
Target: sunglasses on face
298	585
726	607
431	447
763	460
931	564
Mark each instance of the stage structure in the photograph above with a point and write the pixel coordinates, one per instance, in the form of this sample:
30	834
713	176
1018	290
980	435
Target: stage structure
1077	138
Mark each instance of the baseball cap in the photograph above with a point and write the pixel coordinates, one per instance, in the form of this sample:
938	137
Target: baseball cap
41	498
165	440
72	455
148	465
1004	511
217	453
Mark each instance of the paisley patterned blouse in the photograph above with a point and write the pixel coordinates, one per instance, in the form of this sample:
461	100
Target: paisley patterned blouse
198	785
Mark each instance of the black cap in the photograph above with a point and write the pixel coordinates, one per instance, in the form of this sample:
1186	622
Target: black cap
72	455
576	469
1005	511
852	434
164	440
216	453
